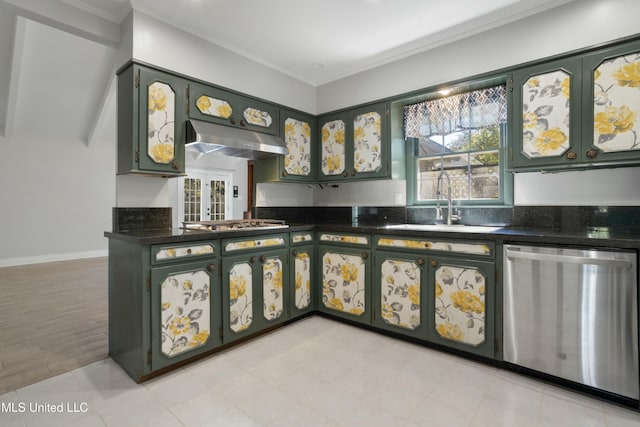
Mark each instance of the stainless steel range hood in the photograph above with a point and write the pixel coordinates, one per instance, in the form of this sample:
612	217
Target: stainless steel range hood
205	137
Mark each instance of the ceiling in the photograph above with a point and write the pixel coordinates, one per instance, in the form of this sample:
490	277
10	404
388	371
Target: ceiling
66	49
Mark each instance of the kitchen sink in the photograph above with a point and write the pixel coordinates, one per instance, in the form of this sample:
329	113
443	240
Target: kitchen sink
445	227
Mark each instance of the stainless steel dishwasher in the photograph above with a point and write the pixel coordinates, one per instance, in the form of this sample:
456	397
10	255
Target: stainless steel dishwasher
573	313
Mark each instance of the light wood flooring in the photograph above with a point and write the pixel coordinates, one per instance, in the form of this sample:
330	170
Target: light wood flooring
53	319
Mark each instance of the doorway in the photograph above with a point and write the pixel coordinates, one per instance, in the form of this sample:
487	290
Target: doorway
205	196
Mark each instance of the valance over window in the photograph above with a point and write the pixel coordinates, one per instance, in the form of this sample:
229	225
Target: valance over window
470	110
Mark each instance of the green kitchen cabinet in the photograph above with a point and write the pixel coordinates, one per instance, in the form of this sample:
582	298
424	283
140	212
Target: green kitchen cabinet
185	311
299	164
577	112
399	292
152	113
461	304
355	144
216	105
302	273
611	105
547	114
344	285
164	304
254	271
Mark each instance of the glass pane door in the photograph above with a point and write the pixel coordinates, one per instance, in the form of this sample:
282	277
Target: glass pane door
203	196
217	199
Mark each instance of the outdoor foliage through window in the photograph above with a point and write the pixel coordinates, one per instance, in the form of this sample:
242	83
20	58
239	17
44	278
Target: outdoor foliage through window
462	135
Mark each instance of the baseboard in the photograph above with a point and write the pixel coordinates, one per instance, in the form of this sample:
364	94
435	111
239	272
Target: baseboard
37	259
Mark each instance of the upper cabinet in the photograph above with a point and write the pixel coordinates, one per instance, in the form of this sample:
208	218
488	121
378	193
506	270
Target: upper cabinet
152	111
355	144
223	107
299	164
578	111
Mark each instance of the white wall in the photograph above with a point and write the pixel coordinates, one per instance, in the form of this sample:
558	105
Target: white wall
57	196
576	25
165	46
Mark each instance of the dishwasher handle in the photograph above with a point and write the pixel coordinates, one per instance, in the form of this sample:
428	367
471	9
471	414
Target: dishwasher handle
572	259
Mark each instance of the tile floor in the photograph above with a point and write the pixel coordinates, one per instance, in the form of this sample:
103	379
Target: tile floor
315	372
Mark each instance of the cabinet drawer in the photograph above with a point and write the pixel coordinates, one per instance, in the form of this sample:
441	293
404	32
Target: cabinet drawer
429	245
346	239
302	238
161	254
254	243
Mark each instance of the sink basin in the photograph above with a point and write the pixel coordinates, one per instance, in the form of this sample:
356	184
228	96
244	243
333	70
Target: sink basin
445	227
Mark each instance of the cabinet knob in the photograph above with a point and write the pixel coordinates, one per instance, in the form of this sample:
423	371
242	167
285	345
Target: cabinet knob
232	120
243	123
294	253
284	173
189	251
420	261
434	263
263	258
175	165
592	154
345	174
571	155
365	255
252	259
211	267
353	173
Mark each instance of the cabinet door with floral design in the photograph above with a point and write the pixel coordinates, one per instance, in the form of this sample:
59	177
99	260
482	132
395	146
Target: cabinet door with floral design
333	156
399	284
161	121
461	304
185	311
240	296
369	154
612	104
345	277
274	294
300	135
302	271
547	114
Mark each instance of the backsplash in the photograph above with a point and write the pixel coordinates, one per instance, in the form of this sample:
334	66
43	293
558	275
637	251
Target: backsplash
552	217
141	219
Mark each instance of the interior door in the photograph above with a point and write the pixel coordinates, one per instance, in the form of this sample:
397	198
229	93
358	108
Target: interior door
205	196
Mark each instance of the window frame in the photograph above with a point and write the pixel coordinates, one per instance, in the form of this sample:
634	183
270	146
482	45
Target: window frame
412	145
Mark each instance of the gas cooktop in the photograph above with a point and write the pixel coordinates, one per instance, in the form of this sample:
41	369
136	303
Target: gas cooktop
232	224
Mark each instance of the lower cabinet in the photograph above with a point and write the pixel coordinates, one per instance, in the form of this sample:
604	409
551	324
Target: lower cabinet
185	311
301	276
441	291
345	275
461	304
399	293
254	297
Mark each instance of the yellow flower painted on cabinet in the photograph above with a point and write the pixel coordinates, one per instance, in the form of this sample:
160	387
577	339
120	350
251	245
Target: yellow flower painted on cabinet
187	285
550	140
387	311
203	103
277	280
414	295
325	134
566	87
162	153
237	287
614	120
358	133
438	290
349	272
628	75
166	305
336	303
224	110
334	163
157	98
298	281
338	137
448	330
533	82
289	129
199	339
357	311
467	302
179	325
171	252
306	130
529	120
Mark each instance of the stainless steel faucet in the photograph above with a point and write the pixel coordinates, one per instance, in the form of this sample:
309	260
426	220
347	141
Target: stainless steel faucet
450	216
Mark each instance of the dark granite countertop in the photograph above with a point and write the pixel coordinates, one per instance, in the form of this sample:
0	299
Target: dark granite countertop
600	237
